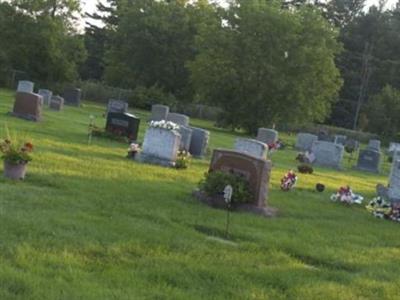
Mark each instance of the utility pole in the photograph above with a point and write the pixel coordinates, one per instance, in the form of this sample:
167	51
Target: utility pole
365	74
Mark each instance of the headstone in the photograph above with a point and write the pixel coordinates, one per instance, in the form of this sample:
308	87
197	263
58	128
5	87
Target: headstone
160	146
393	147
305	141
56	103
25	86
255	170
28	106
267	136
117	106
324	136
72	96
179	119
396	155
199	142
159	112
394	181
340	139
327	154
46	94
251	147
351	145
369	160
123	124
374	144
186	137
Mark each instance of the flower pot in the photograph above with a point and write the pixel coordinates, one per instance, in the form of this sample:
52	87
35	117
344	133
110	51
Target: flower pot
14	171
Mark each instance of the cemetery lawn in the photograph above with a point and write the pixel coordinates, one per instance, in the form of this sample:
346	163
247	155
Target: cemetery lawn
87	223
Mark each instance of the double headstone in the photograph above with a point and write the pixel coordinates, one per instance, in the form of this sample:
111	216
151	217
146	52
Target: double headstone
186	137
46	95
252	147
56	103
160	146
123	124
159	112
117	106
28	106
179	119
199	142
305	141
72	96
327	154
267	136
25	86
369	160
255	170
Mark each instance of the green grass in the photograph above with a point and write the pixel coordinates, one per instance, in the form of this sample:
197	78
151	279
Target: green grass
89	224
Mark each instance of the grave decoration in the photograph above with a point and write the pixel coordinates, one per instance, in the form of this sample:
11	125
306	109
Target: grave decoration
133	150
346	195
305	169
163	124
228	192
16	158
183	159
383	209
320	187
288	182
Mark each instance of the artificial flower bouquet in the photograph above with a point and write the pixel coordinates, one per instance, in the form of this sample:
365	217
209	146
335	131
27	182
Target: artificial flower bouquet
346	195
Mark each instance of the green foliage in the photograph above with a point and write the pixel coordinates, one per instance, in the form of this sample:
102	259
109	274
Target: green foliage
15	153
214	184
267	65
183	160
383	112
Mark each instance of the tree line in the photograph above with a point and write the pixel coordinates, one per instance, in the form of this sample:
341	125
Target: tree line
264	62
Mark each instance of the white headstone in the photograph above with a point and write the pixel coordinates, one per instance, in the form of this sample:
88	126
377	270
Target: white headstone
252	147
268	136
394	181
327	154
25	86
160	146
305	141
179	119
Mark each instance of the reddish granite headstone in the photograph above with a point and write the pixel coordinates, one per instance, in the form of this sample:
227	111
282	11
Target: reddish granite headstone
255	170
28	106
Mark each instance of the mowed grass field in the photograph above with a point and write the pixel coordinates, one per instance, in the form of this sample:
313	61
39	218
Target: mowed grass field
87	223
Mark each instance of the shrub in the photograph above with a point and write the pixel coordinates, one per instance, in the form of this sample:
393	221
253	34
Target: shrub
215	182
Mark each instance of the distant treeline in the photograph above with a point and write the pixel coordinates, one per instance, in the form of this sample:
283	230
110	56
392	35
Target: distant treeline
262	62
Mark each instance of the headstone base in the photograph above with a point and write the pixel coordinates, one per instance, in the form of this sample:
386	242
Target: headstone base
25	117
153	160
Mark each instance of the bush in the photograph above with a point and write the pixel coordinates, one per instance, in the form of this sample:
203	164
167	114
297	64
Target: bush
214	184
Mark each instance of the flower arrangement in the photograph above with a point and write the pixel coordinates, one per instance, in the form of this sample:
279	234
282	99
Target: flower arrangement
346	195
183	160
305	169
15	153
288	181
133	149
164	125
382	209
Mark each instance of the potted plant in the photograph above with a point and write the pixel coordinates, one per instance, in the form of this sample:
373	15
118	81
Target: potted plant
16	158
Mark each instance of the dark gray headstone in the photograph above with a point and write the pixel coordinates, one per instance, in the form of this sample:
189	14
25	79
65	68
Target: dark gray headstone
374	144
199	142
369	160
267	136
123	124
72	96
340	139
179	119
186	137
46	95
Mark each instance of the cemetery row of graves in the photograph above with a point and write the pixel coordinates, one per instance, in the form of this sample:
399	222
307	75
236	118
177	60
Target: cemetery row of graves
171	141
134	189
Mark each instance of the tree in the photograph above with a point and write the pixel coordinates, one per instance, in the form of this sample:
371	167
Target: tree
382	112
264	65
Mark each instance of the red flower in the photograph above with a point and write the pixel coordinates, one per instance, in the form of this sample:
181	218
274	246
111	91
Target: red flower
28	146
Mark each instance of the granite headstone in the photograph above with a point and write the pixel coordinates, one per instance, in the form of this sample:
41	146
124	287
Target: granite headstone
179	119
159	112
369	160
327	154
123	124
199	142
251	147
267	136
305	141
72	96
25	86
28	106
